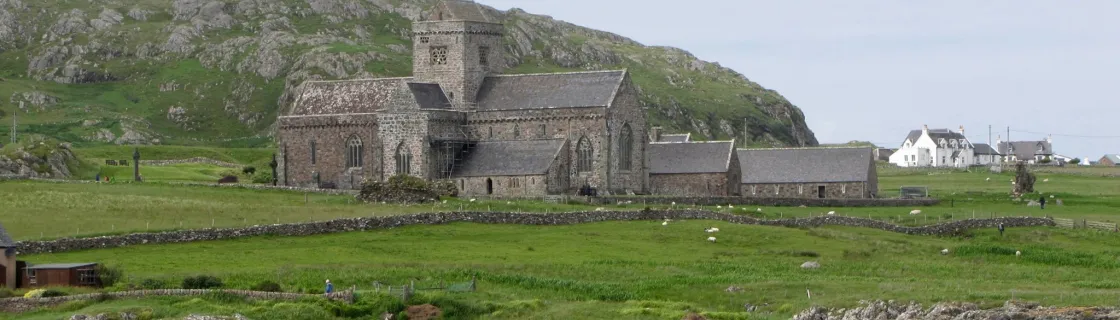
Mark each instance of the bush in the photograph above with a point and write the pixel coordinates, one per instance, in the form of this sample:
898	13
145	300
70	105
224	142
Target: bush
153	284
1045	160
1075	161
49	293
6	293
248	171
202	282
37	293
267	286
264	177
109	275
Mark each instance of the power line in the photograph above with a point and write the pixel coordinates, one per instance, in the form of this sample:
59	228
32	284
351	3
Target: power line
1068	135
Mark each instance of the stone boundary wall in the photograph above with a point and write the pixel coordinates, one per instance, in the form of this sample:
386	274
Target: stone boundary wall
201	160
769	202
199	184
20	304
566	218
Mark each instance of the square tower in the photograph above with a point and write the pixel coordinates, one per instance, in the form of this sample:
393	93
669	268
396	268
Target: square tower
457	46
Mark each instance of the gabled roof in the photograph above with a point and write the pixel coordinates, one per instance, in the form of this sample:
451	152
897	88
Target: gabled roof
429	96
1025	149
550	90
1115	158
460	10
935	134
689	157
805	165
984	149
348	96
51	266
5	239
679	137
509	158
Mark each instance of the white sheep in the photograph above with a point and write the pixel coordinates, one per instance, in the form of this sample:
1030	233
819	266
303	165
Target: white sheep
712	229
944	251
472	199
719	207
915	211
759	210
712	239
987	179
730	206
673	203
665	223
1046	180
831	213
1017	253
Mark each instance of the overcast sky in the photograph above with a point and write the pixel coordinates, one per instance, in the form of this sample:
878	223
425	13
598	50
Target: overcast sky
873	70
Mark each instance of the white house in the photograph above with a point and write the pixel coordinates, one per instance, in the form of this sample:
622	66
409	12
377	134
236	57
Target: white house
984	154
935	148
1028	151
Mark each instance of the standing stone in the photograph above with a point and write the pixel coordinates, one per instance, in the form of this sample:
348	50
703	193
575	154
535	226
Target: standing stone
136	164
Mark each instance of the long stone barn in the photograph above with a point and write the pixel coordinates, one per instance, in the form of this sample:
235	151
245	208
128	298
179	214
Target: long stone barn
826	173
694	168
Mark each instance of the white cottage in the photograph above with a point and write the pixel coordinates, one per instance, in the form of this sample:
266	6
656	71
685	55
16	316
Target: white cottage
935	148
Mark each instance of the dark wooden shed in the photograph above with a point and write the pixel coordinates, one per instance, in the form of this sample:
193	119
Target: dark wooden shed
61	274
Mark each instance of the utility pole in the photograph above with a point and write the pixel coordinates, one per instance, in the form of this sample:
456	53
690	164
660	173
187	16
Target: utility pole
990	142
15	121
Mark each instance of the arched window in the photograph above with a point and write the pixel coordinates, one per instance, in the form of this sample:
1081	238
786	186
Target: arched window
354	152
404	159
625	147
583	155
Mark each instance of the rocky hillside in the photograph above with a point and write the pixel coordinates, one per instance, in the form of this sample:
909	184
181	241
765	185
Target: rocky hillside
891	310
217	72
38	157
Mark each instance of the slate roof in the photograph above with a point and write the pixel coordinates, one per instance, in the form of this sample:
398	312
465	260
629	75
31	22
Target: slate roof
509	158
984	149
1115	158
935	134
679	137
429	96
461	10
60	266
805	165
348	96
549	90
689	157
1025	149
5	239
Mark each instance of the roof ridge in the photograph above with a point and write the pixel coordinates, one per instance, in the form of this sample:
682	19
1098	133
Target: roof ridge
732	141
555	73
804	148
356	80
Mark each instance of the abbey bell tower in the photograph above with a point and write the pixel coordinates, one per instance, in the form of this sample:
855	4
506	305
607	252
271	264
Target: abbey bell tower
457	46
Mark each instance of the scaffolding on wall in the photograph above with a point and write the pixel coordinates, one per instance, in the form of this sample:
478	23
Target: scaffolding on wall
452	152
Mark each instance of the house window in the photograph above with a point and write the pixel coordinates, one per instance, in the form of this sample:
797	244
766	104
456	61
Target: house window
354	152
516	131
424	39
754	189
87	277
942	143
404	160
438	55
943	160
483	55
312	151
800	189
31	276
625	146
583	155
953	144
843	188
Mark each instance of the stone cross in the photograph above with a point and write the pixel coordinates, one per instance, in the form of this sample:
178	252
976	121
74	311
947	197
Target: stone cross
136	164
273	165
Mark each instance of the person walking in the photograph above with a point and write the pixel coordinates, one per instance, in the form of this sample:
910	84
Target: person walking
1042	202
330	286
1001	229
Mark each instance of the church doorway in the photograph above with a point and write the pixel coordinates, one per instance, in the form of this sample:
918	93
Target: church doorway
489	186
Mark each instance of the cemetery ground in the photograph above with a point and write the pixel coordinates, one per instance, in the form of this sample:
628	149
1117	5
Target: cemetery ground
607	270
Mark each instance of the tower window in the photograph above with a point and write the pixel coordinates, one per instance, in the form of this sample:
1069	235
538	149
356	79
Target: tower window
484	55
544	130
424	39
438	55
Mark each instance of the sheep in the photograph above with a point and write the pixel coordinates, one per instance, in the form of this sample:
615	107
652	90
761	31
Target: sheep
599	209
988	179
1046	180
472	199
944	251
759	210
831	213
712	239
712	229
915	211
665	223
730	206
1018	253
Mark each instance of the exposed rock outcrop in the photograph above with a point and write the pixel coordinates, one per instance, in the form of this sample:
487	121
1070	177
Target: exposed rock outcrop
39	160
892	310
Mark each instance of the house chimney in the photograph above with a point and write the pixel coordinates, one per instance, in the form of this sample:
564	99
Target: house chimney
1048	140
961	130
655	134
925	129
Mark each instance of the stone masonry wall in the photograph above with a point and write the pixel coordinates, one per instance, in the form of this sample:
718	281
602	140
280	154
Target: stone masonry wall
330	135
833	190
626	110
407	131
462	73
566	218
690	184
202	160
20	304
505	186
767	201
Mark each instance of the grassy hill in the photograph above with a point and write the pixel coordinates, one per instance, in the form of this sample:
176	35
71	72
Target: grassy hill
217	73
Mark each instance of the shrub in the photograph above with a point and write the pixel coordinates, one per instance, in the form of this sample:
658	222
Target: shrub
249	170
153	284
267	286
52	293
202	282
109	275
263	177
1075	161
37	293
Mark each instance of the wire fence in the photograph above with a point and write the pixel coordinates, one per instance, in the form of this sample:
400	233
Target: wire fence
405	291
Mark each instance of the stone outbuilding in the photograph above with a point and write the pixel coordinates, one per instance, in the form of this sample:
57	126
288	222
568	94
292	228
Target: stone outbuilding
825	173
8	267
440	123
696	168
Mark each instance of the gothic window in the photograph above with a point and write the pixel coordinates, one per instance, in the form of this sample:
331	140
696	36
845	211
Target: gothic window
583	155
544	130
312	151
354	152
491	134
513	183
516	131
625	147
800	189
483	55
438	55
843	188
424	39
404	160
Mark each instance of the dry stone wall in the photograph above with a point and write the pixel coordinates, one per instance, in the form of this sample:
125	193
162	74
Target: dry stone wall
766	202
201	160
566	218
21	304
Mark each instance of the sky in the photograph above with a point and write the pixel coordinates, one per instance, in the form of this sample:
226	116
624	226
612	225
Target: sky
874	70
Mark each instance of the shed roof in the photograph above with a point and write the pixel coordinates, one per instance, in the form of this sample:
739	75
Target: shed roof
689	157
804	165
510	158
5	239
677	137
550	90
60	266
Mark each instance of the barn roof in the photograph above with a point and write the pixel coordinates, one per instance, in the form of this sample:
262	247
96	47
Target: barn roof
5	239
689	157
804	165
60	266
510	158
550	90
